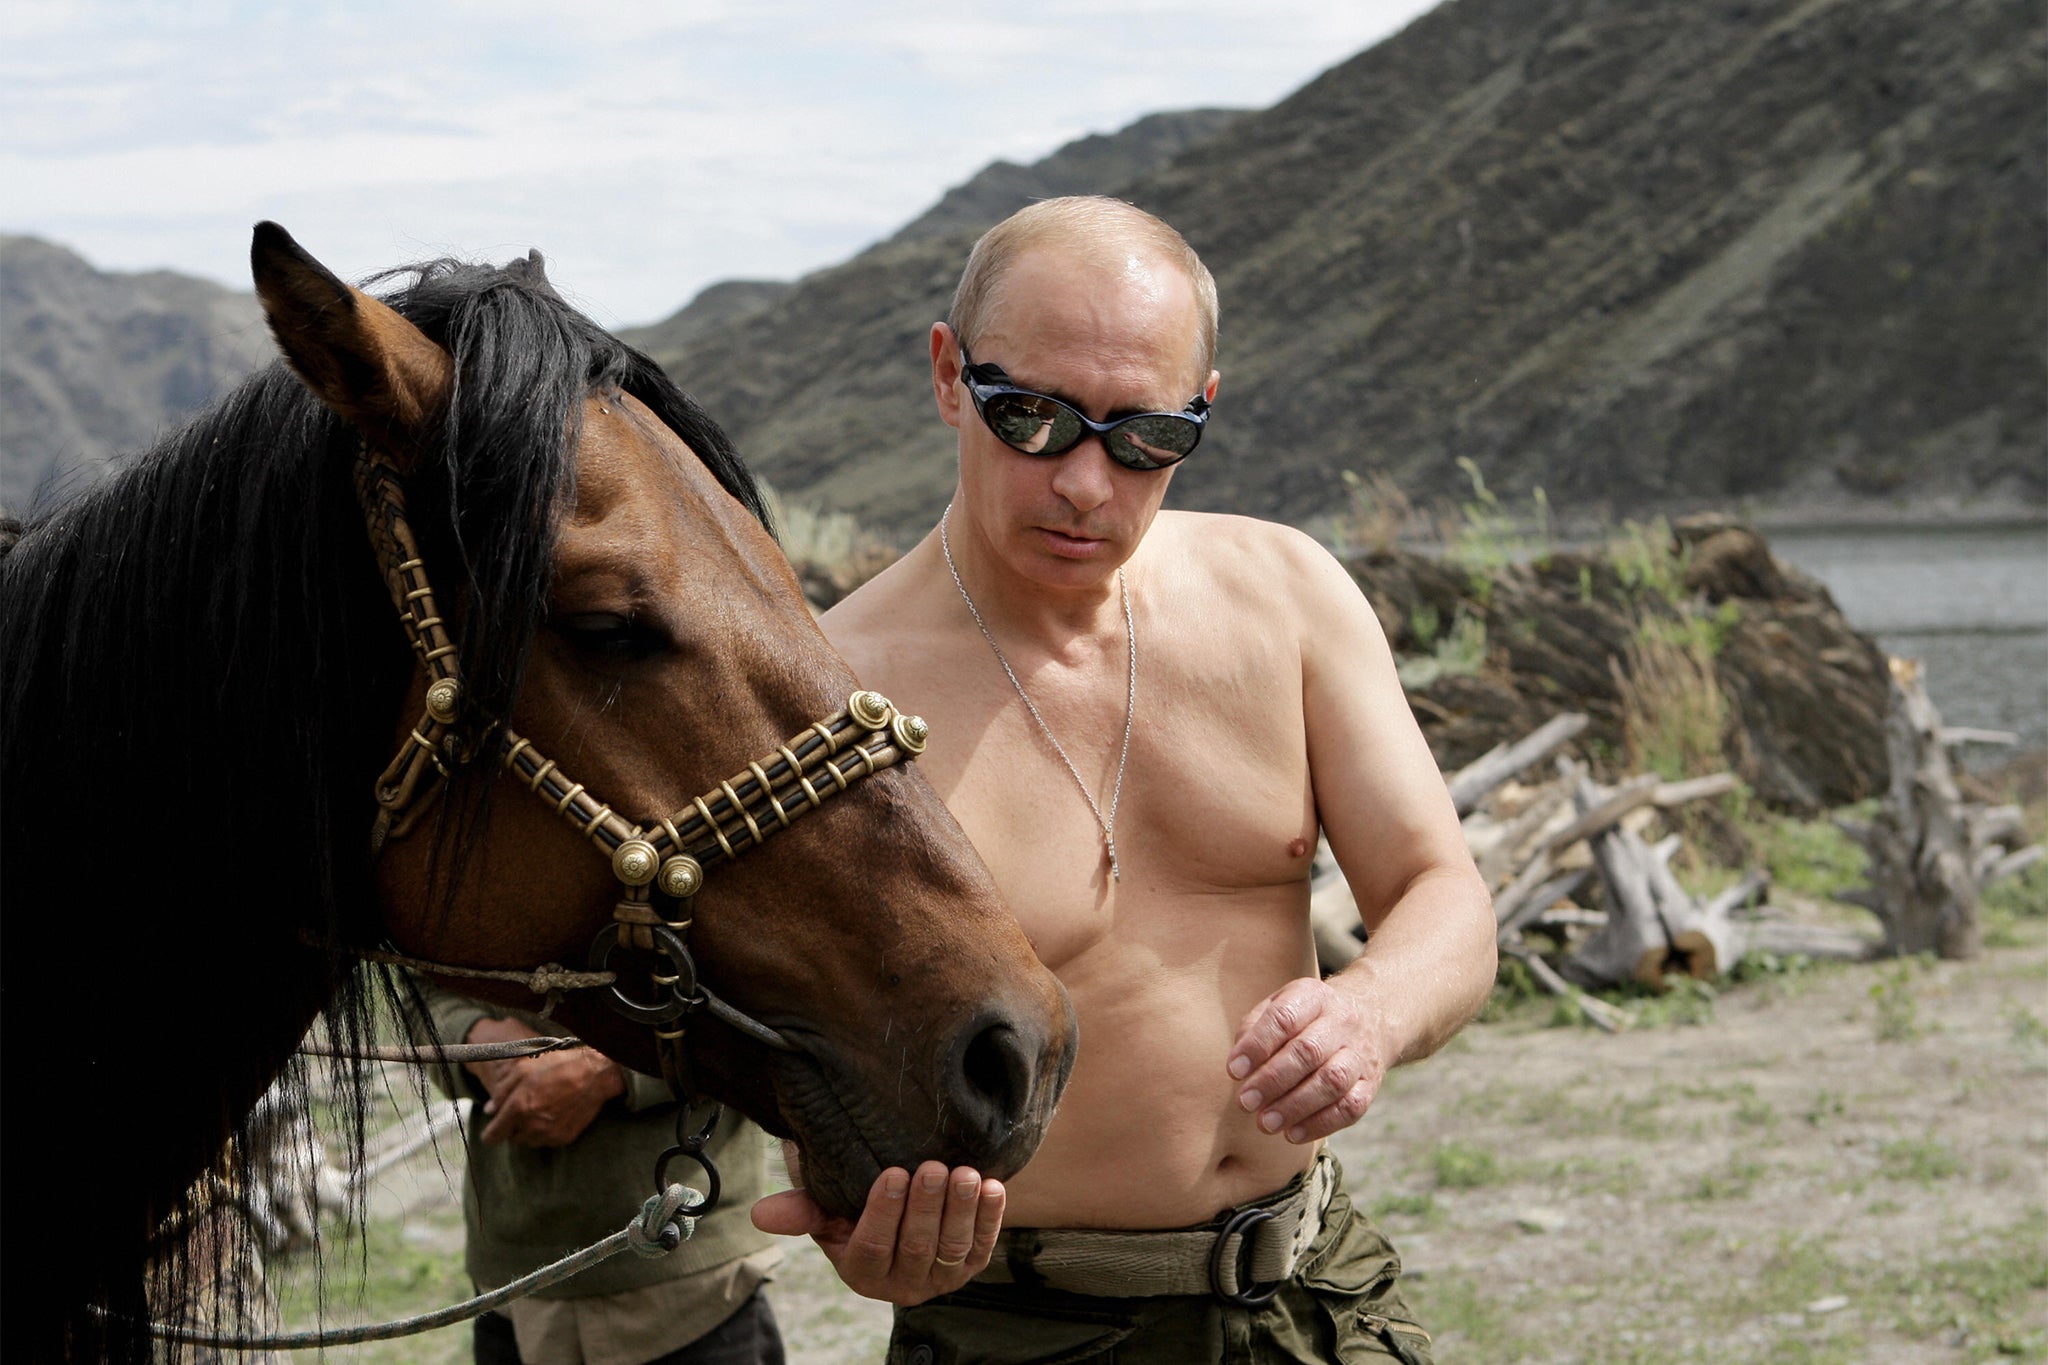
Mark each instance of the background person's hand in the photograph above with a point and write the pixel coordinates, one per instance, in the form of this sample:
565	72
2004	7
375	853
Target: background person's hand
542	1101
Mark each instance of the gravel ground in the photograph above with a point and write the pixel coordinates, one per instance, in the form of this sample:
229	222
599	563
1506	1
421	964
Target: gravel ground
1836	1164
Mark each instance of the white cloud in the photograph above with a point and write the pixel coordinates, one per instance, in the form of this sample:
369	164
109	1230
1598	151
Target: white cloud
648	148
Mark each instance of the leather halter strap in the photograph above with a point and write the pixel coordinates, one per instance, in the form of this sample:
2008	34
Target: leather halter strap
669	854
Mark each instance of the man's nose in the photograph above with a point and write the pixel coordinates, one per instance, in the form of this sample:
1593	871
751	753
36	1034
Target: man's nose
1082	476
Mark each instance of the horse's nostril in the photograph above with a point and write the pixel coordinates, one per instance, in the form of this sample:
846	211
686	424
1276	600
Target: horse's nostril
996	1080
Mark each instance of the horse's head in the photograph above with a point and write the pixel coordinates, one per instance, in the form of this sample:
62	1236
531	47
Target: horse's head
660	647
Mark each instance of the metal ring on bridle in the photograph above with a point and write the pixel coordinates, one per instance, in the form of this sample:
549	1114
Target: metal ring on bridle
692	1147
668	945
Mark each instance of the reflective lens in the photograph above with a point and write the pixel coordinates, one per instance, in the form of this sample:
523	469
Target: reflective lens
1038	424
1031	422
1152	440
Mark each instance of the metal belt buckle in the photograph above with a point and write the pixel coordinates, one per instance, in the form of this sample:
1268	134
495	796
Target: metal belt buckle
1245	1222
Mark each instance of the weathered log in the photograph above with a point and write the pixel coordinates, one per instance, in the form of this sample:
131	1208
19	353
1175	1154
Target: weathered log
1705	940
1531	896
1569	916
1606	811
1470	784
1992	824
1740	894
1634	944
1672	794
1525	836
1953	735
2012	863
1786	938
1923	883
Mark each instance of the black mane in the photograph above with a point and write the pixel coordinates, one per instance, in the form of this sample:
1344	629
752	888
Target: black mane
200	682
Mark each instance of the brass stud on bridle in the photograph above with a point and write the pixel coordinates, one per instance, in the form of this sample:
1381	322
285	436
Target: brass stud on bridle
681	876
911	733
444	699
869	710
635	862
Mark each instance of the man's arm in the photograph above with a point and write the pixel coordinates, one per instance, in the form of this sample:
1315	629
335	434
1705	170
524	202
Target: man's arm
1311	1056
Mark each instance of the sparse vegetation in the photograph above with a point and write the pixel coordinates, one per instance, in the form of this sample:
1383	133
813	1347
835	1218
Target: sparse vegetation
1923	1159
1377	516
1898	1013
1462	1166
1460	650
1485	536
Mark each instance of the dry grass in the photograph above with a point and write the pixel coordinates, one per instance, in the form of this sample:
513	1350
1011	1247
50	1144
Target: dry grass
1674	716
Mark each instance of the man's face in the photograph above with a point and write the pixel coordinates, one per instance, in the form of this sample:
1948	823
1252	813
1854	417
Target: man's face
1110	341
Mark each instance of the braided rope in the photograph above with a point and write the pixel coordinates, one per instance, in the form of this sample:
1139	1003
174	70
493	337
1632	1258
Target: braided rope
654	1231
543	980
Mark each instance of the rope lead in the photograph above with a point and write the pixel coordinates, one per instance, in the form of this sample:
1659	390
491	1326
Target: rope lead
654	1231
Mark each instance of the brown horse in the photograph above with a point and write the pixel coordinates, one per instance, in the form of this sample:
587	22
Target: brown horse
204	674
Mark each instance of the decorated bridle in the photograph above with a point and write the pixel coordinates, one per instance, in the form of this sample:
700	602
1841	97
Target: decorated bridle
670	854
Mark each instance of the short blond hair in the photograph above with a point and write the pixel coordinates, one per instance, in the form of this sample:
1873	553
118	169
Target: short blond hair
1093	227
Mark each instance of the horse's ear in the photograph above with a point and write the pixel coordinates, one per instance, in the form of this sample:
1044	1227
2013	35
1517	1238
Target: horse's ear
356	354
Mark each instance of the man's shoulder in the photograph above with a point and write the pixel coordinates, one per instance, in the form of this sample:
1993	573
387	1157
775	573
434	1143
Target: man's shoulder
1248	552
879	617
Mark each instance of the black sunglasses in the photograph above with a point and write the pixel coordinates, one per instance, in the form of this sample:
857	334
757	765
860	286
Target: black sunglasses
1039	424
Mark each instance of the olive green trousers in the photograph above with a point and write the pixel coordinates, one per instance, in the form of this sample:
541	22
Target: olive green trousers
1341	1306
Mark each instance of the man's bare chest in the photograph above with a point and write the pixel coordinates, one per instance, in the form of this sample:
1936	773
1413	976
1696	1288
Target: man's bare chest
1214	801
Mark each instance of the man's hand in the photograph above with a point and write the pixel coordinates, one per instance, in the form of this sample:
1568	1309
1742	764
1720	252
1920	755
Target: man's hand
920	1235
543	1101
1309	1058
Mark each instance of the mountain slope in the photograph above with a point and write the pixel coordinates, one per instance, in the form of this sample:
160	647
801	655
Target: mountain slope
1642	254
94	364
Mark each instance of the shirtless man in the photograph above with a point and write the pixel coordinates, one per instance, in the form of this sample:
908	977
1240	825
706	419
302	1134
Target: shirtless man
1142	718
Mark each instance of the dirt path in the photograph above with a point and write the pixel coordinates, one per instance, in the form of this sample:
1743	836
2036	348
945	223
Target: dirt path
1845	1164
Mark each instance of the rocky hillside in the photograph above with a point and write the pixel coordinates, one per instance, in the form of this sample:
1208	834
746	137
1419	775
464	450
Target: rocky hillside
1644	254
94	364
1641	253
1097	164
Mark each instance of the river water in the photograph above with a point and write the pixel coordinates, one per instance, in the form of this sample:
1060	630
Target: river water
1970	603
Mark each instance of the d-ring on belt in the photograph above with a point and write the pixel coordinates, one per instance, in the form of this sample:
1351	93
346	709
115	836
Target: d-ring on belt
1243	1258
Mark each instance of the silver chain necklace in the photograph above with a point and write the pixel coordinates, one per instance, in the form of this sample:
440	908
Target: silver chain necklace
1130	697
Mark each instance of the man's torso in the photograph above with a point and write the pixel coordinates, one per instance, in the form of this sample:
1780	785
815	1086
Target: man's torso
1215	831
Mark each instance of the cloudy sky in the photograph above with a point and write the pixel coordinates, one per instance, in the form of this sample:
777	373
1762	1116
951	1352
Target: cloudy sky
647	148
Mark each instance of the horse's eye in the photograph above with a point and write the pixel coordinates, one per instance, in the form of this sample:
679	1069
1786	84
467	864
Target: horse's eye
608	635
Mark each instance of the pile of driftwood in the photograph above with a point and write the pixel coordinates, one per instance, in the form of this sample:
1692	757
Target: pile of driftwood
1584	899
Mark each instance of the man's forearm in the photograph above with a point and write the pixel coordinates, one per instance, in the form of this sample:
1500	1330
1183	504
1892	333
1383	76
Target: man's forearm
1429	965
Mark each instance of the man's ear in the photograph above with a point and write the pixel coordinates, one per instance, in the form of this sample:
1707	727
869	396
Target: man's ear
357	355
946	373
1209	389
